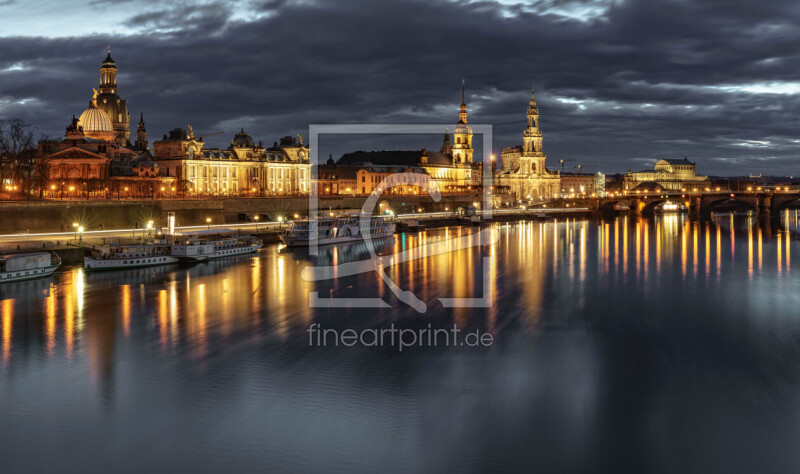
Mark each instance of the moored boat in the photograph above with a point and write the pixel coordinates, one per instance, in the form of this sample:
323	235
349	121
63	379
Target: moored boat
116	256
28	265
210	244
335	230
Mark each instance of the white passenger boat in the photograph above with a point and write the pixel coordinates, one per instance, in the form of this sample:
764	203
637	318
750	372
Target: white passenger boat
334	230
116	256
209	244
28	265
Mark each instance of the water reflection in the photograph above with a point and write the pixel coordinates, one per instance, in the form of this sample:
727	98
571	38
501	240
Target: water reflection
266	297
584	314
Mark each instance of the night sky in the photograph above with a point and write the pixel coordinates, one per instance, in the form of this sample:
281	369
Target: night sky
619	83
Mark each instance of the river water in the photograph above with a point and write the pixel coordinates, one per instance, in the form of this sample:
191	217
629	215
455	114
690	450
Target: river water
660	345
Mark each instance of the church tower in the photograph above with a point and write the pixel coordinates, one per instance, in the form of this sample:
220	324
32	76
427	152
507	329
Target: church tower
532	159
141	135
109	101
462	135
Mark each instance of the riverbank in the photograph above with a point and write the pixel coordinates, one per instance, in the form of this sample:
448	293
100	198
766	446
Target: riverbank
72	250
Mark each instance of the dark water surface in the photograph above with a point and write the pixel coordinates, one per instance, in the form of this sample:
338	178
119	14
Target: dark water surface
658	345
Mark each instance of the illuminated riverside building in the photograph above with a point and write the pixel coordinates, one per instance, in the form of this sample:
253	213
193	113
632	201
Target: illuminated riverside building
451	169
583	184
244	168
97	159
523	169
340	180
672	175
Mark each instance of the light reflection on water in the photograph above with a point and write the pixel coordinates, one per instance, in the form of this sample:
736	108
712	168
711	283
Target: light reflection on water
620	344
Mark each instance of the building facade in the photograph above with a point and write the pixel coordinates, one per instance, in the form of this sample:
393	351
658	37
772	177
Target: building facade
672	175
451	170
583	185
523	171
243	169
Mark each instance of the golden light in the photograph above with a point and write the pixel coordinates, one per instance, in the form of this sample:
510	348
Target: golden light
74	224
162	188
126	188
72	188
80	229
208	219
255	217
749	188
280	218
173	188
52	186
296	216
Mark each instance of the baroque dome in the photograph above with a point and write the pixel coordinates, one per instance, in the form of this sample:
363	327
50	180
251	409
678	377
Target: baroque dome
96	124
243	140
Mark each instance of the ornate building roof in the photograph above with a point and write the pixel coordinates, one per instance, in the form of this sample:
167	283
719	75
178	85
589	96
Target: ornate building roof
243	140
96	123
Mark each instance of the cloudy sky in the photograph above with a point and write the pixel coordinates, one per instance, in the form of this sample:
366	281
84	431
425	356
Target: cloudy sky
619	82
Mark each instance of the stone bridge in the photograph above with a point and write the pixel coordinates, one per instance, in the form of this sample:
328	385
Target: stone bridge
703	203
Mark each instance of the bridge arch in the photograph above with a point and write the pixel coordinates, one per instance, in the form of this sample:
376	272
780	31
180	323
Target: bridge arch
789	203
728	204
651	204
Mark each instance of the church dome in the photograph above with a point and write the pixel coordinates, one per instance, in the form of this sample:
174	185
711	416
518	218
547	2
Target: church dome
243	140
96	124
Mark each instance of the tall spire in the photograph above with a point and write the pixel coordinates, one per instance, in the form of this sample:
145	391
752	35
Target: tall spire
462	114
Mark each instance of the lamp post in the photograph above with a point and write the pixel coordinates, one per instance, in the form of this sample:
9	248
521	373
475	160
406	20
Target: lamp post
149	229
80	234
255	218
208	222
280	222
75	226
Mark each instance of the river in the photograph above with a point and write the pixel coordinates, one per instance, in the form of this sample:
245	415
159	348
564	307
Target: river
624	345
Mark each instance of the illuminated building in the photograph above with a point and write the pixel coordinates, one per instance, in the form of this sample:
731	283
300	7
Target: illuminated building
451	169
583	184
523	169
672	175
244	168
107	117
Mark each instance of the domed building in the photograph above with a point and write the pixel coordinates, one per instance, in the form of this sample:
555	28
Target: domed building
96	124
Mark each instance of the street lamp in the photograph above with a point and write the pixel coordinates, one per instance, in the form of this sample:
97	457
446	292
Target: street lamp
280	222
80	234
208	222
255	218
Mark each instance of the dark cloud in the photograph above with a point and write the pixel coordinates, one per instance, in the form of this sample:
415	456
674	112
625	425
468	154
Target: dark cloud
619	83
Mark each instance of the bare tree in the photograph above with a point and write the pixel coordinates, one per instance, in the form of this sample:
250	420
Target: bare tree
17	153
